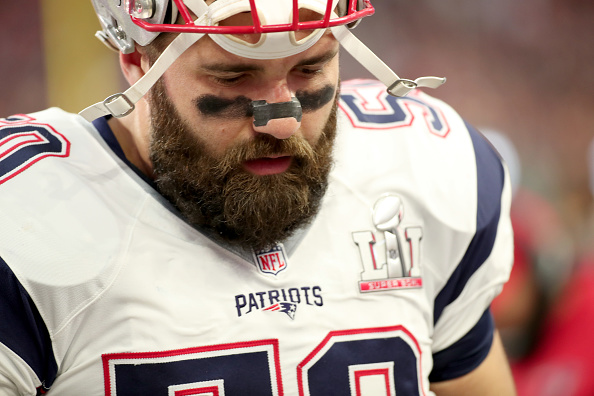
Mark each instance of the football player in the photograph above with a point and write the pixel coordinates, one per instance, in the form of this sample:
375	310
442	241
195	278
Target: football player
240	223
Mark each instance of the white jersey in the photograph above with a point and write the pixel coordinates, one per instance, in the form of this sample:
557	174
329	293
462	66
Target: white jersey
105	290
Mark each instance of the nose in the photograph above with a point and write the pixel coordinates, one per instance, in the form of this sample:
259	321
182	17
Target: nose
279	115
280	128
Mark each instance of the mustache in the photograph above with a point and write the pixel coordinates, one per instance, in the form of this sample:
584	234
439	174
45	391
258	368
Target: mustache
241	106
264	146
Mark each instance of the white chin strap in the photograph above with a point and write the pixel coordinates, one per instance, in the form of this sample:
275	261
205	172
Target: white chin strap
270	46
122	104
396	86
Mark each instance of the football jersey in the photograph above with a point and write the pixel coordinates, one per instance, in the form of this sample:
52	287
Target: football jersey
106	290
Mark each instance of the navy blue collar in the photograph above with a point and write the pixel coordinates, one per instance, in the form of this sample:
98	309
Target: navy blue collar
109	138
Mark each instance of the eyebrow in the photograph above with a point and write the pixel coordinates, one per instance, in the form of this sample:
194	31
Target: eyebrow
244	67
323	58
231	67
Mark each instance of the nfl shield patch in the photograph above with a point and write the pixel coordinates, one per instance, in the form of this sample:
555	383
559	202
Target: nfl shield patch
271	261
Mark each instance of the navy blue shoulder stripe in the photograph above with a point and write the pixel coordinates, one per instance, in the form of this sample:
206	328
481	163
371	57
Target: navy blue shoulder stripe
22	329
467	353
490	179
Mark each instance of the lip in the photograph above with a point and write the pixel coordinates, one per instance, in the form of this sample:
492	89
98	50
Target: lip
268	165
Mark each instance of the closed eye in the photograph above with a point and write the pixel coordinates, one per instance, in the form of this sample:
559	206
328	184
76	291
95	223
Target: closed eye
228	80
311	67
309	70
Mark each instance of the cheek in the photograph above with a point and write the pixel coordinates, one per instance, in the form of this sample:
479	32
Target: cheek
180	94
312	123
216	134
317	105
219	136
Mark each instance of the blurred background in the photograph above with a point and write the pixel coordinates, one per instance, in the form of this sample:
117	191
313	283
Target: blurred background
519	70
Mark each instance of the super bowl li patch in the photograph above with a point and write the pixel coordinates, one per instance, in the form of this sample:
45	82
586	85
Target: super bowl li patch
271	261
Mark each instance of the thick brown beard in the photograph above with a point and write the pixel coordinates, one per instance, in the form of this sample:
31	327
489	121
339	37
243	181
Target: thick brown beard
240	208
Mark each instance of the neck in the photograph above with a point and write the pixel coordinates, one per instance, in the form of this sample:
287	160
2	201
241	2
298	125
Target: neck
132	133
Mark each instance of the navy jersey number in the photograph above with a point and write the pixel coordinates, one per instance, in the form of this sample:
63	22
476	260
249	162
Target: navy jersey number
377	361
367	105
23	143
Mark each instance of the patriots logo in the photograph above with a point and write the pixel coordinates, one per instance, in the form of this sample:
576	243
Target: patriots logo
279	300
284	307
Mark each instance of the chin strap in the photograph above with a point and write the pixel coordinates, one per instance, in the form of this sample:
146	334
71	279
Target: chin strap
122	104
396	86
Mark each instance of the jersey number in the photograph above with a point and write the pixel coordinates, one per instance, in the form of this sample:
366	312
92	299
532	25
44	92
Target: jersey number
23	143
377	361
367	105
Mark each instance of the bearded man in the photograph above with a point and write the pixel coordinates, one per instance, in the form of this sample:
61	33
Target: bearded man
238	222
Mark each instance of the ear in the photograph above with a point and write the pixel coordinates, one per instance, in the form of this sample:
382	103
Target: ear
134	65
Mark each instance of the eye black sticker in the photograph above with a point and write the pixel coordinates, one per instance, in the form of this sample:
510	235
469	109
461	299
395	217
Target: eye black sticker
242	106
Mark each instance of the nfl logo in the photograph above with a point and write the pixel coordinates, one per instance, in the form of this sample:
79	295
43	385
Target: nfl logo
271	261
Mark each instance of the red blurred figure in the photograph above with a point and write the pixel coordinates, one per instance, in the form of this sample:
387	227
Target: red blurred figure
546	311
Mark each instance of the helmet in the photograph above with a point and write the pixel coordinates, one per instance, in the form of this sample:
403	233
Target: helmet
126	23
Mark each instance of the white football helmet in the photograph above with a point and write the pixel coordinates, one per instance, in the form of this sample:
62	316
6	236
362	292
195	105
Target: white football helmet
126	23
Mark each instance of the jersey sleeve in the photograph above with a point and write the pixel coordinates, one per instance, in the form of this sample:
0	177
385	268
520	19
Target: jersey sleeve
26	357
464	327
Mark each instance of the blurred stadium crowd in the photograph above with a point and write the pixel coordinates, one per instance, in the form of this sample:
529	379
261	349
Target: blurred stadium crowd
521	71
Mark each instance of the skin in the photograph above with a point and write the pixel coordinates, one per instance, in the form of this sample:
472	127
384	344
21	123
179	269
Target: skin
206	69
